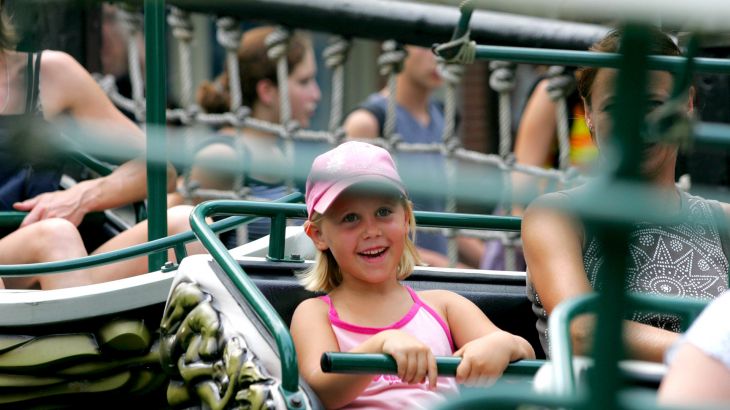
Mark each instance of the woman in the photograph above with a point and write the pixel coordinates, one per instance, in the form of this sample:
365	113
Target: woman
260	92
689	258
46	86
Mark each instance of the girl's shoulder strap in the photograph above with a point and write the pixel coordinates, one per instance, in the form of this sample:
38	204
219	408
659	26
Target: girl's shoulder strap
332	311
441	321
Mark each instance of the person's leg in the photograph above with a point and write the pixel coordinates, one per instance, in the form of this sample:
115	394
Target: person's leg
48	240
177	222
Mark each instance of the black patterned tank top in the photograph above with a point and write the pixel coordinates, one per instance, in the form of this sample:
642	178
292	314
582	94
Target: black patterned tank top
689	259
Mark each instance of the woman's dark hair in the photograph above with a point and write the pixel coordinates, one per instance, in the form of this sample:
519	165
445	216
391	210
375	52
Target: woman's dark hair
254	66
660	44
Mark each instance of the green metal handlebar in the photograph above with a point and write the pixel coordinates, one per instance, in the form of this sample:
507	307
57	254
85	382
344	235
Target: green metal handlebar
559	326
126	253
595	59
254	297
372	363
278	212
11	219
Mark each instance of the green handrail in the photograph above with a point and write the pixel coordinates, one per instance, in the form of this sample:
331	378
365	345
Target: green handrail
278	212
131	251
561	342
11	219
595	59
371	363
471	221
559	327
91	163
287	354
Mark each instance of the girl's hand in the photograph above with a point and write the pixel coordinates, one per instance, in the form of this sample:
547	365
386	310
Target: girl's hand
484	359
415	360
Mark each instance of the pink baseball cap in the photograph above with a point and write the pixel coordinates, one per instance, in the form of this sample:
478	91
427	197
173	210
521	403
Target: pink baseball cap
350	163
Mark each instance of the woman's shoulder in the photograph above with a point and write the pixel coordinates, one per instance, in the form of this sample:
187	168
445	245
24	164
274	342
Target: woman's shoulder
53	61
552	213
65	83
558	197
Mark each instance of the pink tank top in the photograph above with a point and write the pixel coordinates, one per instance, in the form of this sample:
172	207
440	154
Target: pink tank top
388	391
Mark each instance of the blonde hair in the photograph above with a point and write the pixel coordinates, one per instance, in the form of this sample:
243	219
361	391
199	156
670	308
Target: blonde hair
325	274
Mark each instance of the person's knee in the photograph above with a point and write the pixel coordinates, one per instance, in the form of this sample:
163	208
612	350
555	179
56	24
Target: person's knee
178	219
57	233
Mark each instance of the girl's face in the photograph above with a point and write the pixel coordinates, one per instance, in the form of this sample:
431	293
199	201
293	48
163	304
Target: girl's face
656	156
366	235
304	92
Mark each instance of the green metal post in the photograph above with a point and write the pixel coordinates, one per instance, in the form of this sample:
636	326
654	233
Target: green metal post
628	117
287	354
561	345
276	238
155	36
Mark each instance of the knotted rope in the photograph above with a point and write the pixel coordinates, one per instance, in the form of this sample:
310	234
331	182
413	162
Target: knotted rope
560	84
390	63
335	56
131	23
182	31
229	34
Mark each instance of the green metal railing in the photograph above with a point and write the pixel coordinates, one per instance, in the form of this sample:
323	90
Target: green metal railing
686	309
11	219
287	354
595	59
155	36
174	241
336	362
605	389
278	213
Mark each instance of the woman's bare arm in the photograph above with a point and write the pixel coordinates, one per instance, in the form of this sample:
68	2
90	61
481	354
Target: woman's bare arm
553	250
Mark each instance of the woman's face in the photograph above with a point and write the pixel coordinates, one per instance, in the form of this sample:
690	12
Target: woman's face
304	92
658	156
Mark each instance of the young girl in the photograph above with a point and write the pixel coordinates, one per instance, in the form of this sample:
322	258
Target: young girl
361	221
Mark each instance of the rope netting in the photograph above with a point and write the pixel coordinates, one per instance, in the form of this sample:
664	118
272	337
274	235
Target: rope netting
228	35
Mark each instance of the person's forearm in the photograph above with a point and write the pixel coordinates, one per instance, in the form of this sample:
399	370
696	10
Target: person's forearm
127	184
642	342
337	390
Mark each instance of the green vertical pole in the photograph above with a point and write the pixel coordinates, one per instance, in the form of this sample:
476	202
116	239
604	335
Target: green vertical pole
628	116
154	22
